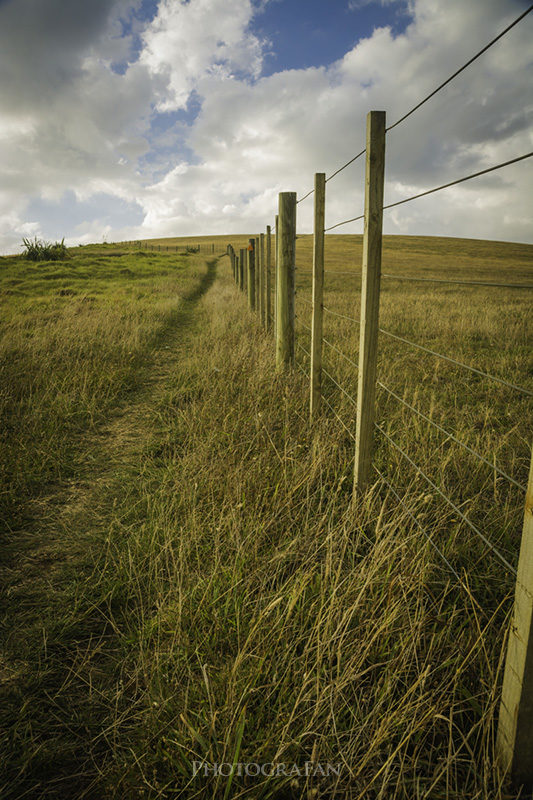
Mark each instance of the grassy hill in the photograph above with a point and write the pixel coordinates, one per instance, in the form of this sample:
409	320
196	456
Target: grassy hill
185	574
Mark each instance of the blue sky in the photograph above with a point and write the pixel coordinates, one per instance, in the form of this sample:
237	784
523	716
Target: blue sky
133	118
314	33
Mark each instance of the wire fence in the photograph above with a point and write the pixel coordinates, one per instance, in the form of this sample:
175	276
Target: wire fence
383	445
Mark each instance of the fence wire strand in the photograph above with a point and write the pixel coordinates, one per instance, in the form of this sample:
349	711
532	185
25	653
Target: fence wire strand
461	69
303	349
338	314
340	169
417	522
452	183
450	502
346	428
348	395
351	161
458	283
303	324
346	221
458	363
334	347
451	436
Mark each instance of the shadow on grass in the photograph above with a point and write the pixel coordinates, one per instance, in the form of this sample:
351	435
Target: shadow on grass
63	665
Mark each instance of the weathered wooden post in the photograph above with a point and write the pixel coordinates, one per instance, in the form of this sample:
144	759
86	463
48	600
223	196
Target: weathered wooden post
251	273
371	276
317	295
256	253
276	274
262	282
286	251
514	741
236	271
268	268
242	268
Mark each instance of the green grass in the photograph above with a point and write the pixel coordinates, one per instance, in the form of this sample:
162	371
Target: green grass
186	577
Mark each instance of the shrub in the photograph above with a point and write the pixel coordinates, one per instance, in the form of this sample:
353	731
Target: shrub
38	250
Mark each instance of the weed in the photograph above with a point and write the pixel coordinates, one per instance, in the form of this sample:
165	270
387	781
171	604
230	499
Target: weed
38	250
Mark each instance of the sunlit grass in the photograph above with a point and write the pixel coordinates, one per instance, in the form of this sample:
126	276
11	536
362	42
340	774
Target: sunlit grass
209	588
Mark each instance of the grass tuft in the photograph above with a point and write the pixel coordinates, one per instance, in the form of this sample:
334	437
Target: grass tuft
38	250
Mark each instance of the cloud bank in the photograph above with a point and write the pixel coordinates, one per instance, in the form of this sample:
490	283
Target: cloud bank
170	117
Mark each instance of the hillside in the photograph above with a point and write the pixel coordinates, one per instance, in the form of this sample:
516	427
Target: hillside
186	577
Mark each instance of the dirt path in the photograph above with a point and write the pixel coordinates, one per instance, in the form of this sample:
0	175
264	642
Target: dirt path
60	667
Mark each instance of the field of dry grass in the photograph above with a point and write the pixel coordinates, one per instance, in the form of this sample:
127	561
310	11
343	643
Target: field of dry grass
185	575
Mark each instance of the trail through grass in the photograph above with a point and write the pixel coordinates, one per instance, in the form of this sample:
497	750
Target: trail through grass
188	579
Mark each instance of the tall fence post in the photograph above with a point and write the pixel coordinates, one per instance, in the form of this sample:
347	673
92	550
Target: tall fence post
242	267
262	287
251	273
371	276
286	251
317	295
514	741
268	268
276	239
257	268
236	270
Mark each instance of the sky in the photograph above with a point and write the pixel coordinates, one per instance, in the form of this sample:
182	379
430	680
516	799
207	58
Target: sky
128	119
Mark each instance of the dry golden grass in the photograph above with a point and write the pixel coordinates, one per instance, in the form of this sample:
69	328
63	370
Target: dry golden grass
209	591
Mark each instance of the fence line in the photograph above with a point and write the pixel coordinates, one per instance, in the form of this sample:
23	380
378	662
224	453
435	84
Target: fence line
516	692
515	728
201	247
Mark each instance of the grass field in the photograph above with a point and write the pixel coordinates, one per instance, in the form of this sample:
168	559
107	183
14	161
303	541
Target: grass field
184	575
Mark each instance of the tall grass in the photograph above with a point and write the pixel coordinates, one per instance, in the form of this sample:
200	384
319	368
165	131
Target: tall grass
222	598
74	341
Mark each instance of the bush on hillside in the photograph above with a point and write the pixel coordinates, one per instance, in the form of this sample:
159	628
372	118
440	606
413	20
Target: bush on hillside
38	250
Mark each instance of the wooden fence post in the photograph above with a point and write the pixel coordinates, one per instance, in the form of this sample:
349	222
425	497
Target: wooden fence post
242	268
514	741
251	273
276	239
235	267
268	268
256	262
371	276
317	296
286	251
262	287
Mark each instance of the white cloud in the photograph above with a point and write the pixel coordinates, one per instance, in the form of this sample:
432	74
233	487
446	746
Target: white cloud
254	140
188	40
75	124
